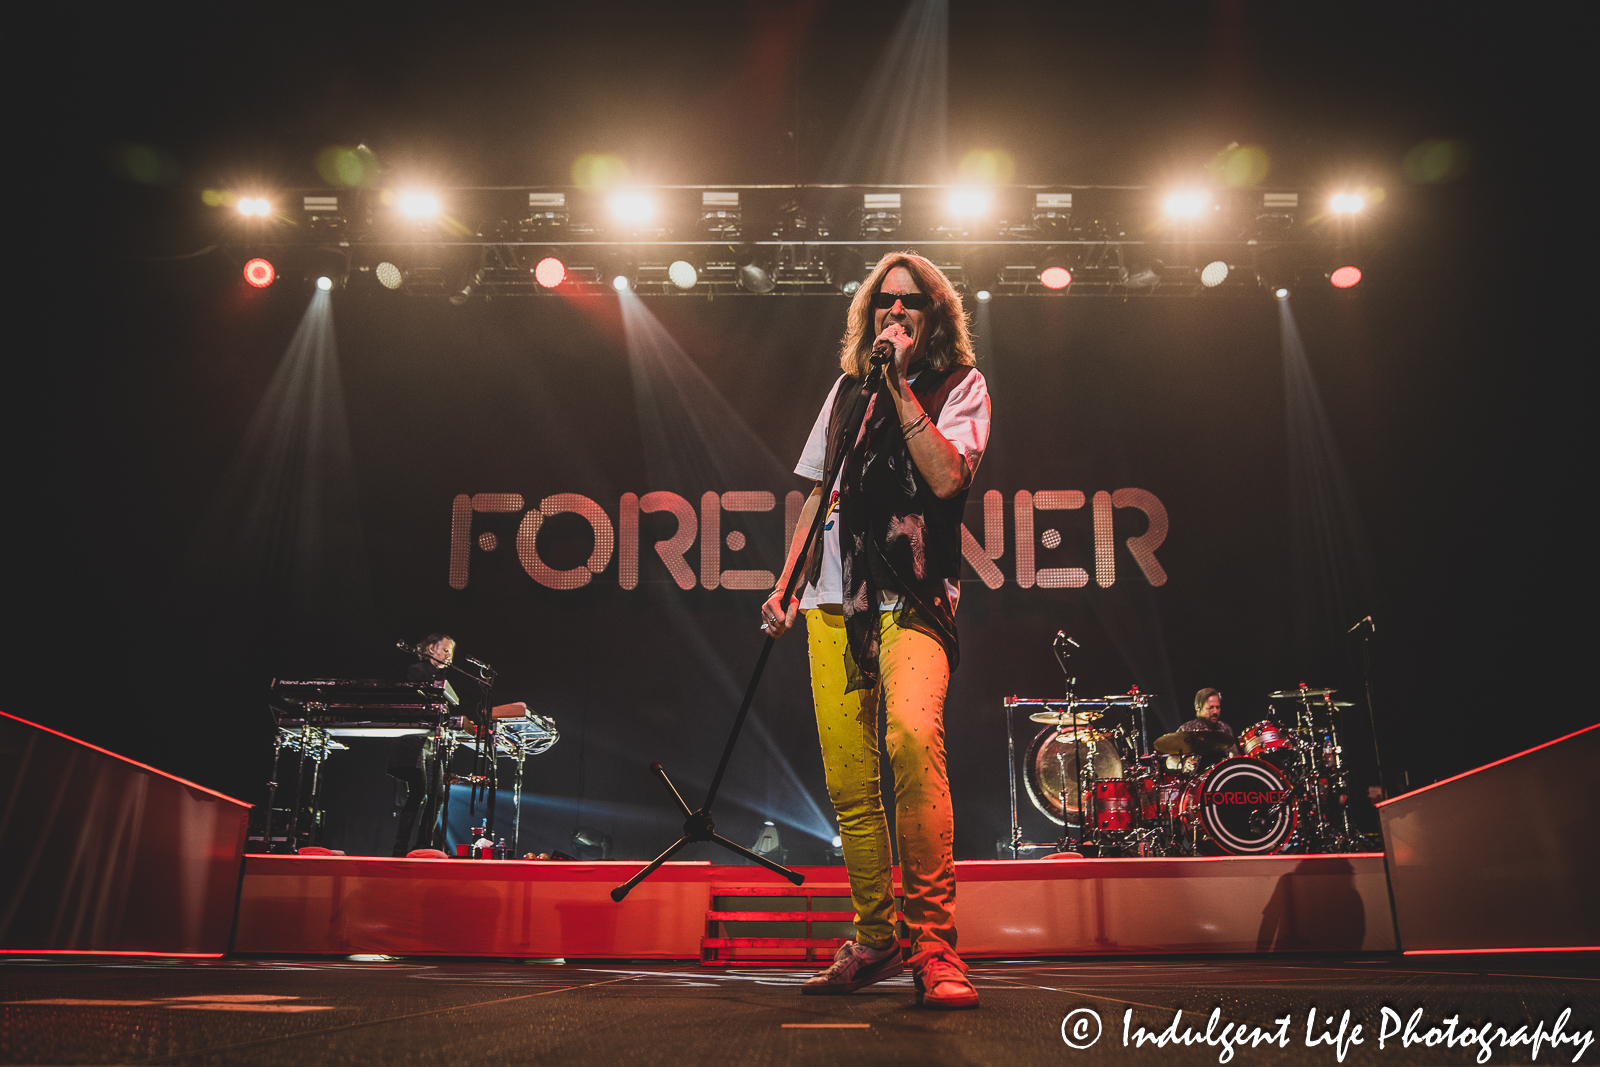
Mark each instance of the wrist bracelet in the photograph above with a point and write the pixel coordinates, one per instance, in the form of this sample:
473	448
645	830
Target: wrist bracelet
908	427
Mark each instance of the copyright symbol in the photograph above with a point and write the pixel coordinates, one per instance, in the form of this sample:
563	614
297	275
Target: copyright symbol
1081	1028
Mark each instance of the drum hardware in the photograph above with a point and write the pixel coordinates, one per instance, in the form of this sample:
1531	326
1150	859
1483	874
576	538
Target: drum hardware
1083	771
1316	763
312	743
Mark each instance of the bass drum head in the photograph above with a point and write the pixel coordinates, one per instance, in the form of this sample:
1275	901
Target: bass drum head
1244	806
1053	762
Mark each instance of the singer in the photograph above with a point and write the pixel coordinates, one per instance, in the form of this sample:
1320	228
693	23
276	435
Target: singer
880	598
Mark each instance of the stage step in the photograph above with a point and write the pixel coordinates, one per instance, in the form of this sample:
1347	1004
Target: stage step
717	949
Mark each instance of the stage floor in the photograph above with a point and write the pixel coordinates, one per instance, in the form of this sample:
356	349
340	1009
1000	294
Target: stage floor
278	1011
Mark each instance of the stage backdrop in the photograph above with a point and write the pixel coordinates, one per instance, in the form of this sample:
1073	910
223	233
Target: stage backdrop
592	495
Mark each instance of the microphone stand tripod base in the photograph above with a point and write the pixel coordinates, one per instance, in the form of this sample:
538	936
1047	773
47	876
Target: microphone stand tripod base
698	826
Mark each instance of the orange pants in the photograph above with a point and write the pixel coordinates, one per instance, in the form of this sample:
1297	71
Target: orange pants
914	676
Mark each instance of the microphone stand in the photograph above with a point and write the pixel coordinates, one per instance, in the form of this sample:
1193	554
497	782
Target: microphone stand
1368	628
698	824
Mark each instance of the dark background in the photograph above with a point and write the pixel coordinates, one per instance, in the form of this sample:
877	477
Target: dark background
1447	379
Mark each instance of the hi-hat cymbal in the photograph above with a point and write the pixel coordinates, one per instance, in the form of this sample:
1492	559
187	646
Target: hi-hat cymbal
1065	718
1191	743
1296	694
1341	703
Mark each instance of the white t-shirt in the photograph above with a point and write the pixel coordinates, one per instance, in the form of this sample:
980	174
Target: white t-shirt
964	421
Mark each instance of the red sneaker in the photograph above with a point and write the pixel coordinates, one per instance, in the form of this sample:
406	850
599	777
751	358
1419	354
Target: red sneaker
941	978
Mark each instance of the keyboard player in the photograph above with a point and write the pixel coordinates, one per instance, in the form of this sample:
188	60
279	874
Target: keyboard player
414	761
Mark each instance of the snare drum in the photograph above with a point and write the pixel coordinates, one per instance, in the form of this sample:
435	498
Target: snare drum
1267	740
1123	803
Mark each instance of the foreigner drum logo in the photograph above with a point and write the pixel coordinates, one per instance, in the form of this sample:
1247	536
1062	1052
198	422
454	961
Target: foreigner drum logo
1246	807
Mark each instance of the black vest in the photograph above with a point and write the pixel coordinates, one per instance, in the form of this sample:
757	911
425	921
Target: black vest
895	535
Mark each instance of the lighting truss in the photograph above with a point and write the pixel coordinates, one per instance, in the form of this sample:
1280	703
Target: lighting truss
811	239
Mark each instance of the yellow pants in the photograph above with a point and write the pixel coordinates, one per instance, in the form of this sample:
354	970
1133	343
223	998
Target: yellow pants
914	676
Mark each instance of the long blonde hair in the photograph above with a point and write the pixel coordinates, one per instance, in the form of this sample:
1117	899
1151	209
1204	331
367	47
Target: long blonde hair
948	345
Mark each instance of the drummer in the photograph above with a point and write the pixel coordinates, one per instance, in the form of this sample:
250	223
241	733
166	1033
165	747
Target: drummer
1208	719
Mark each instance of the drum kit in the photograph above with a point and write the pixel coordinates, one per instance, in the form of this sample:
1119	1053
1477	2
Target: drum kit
1093	771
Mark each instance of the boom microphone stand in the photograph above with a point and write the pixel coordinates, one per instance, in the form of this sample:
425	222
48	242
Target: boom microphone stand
697	824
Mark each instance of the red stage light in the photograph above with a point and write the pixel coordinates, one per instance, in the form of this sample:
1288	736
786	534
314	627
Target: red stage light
1055	277
550	272
259	273
1345	277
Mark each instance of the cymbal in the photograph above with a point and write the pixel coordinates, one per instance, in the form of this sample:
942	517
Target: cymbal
1191	743
1065	718
1296	694
1341	703
1079	735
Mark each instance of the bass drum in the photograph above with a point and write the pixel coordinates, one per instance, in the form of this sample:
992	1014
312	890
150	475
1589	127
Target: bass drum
1243	806
1051	773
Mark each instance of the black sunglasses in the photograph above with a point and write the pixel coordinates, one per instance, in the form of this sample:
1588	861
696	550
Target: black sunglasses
910	301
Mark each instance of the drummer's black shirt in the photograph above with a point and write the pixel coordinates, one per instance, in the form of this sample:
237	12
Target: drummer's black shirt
1197	725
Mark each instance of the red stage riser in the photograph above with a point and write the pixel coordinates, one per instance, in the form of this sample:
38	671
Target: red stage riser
348	905
1501	858
103	854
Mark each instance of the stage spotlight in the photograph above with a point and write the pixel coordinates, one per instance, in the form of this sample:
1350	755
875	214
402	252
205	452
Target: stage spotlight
591	844
461	290
756	272
1055	277
1345	277
418	205
389	276
768	844
1347	203
631	207
1214	274
982	270
550	272
983	295
253	206
843	269
259	273
682	274
967	203
620	271
1055	269
1144	273
1186	204
328	267
1281	293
